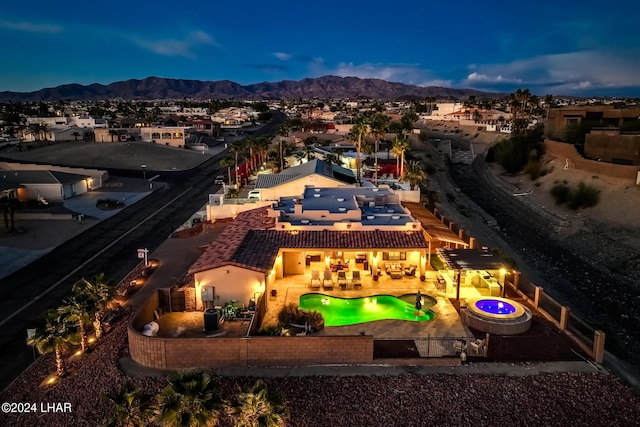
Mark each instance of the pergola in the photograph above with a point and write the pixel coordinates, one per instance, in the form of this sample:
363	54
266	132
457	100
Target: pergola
469	259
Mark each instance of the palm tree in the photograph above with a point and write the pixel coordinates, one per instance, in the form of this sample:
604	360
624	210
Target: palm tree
400	146
189	400
56	336
339	152
131	407
308	150
282	132
237	147
233	193
548	101
378	127
264	142
99	293
9	205
78	309
414	174
358	132
227	162
332	159
257	407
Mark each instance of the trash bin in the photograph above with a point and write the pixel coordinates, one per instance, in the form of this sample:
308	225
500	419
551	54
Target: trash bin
211	319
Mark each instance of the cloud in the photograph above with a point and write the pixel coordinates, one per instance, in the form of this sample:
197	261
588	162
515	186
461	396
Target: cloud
282	56
405	73
436	82
269	68
572	72
301	57
176	47
31	27
485	78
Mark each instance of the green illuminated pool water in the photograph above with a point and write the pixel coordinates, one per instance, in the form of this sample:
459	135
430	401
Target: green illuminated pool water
351	311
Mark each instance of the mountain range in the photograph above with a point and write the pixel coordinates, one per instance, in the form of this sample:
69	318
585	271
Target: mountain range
321	87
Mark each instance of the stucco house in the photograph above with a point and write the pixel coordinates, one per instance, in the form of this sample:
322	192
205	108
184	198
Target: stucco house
367	228
50	182
292	181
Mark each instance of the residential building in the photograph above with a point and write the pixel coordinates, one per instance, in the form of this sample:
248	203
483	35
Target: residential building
291	182
174	136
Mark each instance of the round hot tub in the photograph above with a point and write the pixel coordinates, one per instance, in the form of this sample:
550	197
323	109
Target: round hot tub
498	316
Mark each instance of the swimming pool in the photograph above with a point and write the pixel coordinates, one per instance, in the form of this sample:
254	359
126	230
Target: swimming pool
351	311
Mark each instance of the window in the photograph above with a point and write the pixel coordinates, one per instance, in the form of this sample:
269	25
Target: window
394	256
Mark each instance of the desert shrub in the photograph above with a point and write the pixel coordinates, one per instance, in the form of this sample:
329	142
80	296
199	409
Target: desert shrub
534	169
271	330
561	193
428	167
584	197
291	314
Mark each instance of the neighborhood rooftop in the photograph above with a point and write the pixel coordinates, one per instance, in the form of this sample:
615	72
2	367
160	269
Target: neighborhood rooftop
315	166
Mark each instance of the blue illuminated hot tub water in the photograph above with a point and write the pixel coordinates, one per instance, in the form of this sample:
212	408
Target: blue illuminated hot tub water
493	306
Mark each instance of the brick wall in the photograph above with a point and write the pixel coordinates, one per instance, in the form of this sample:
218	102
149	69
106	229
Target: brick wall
180	353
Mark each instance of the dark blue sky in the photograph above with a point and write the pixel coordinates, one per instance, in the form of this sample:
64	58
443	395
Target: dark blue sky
568	47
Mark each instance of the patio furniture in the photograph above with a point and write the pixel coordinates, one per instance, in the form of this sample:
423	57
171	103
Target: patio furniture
342	280
327	281
411	270
355	280
477	346
394	270
315	279
460	345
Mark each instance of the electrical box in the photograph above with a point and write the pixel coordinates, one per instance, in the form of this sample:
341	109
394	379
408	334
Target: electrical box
207	293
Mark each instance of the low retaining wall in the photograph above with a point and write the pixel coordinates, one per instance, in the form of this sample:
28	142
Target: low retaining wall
219	352
44	216
563	151
182	353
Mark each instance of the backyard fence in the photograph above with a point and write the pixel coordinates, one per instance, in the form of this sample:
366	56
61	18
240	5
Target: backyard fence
590	340
428	347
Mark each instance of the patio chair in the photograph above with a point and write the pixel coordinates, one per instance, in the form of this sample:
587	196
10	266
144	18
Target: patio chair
342	280
315	279
355	280
411	270
327	281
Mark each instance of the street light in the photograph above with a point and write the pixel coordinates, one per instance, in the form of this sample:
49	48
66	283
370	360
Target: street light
144	172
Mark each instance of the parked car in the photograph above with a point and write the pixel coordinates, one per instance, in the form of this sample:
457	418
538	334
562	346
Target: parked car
254	195
220	179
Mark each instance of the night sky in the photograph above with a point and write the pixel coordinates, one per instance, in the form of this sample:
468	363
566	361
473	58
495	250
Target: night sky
583	48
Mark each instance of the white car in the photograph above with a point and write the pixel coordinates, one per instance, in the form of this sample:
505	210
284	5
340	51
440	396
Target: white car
254	195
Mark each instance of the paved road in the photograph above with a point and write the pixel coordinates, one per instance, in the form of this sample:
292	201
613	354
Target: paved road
106	247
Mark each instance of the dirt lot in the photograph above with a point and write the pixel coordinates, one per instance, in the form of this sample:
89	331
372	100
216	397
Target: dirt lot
120	155
587	259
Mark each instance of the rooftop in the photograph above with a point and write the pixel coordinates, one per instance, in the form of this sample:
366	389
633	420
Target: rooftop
311	167
249	243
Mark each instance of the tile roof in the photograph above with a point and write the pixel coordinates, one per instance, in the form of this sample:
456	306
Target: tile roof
256	249
432	225
220	251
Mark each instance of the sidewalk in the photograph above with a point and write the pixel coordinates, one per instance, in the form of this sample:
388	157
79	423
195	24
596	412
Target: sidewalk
132	369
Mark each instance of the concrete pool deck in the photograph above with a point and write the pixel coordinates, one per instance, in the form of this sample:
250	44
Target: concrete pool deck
447	322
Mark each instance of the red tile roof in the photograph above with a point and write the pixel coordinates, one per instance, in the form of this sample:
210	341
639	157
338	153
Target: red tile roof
220	251
257	248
